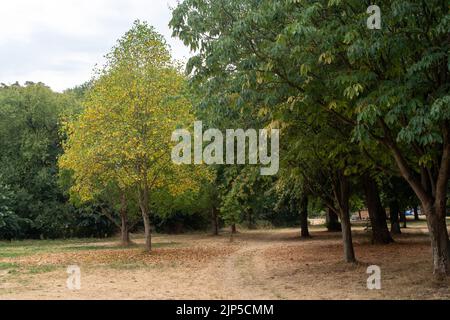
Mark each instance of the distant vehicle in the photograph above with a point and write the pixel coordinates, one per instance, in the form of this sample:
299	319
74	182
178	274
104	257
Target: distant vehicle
409	213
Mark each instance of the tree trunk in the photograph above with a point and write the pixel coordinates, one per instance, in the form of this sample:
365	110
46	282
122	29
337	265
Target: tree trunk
124	229
215	221
377	214
233	228
304	217
344	209
436	213
332	222
145	210
148	233
416	214
403	219
394	208
250	221
431	189
349	252
437	225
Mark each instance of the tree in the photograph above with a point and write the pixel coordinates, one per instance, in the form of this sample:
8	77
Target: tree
293	193
245	196
402	100
29	147
390	86
11	225
238	54
324	163
398	196
377	213
124	135
332	221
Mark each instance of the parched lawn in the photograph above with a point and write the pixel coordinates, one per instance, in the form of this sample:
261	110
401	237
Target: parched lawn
32	256
263	264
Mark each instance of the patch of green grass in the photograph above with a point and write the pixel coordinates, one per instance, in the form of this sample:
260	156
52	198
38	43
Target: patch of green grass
48	243
15	268
12	254
15	249
42	269
92	248
133	246
7	266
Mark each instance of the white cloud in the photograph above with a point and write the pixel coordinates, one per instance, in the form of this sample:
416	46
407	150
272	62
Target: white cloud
58	42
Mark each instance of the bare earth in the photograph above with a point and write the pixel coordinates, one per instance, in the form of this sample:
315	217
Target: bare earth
265	264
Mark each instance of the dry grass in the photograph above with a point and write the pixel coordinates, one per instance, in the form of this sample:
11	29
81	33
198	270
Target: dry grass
270	264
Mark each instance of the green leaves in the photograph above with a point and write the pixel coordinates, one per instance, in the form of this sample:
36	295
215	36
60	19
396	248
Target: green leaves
121	143
30	120
343	94
440	110
353	91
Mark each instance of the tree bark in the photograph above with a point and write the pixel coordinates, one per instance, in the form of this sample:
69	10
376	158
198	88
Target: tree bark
437	213
349	252
215	221
250	221
144	202
431	189
124	228
304	217
394	208
332	222
377	214
233	228
125	233
439	240
403	219
343	197
416	214
148	233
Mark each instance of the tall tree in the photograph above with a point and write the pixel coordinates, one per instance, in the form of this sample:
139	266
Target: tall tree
390	86
124	135
29	147
377	213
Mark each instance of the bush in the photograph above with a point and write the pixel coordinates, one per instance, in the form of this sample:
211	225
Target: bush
11	225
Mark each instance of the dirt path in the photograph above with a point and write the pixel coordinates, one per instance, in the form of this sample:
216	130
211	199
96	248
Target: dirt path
245	274
263	265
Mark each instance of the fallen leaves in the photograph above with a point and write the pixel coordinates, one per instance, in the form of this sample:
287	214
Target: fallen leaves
126	256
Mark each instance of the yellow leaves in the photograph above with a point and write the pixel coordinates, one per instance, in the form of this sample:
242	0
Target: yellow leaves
353	91
263	111
259	78
304	69
124	134
332	105
425	160
326	58
291	100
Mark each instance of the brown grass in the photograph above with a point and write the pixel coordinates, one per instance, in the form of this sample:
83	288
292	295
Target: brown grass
270	264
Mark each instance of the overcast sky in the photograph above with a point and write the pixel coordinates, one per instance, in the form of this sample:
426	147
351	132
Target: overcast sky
58	42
